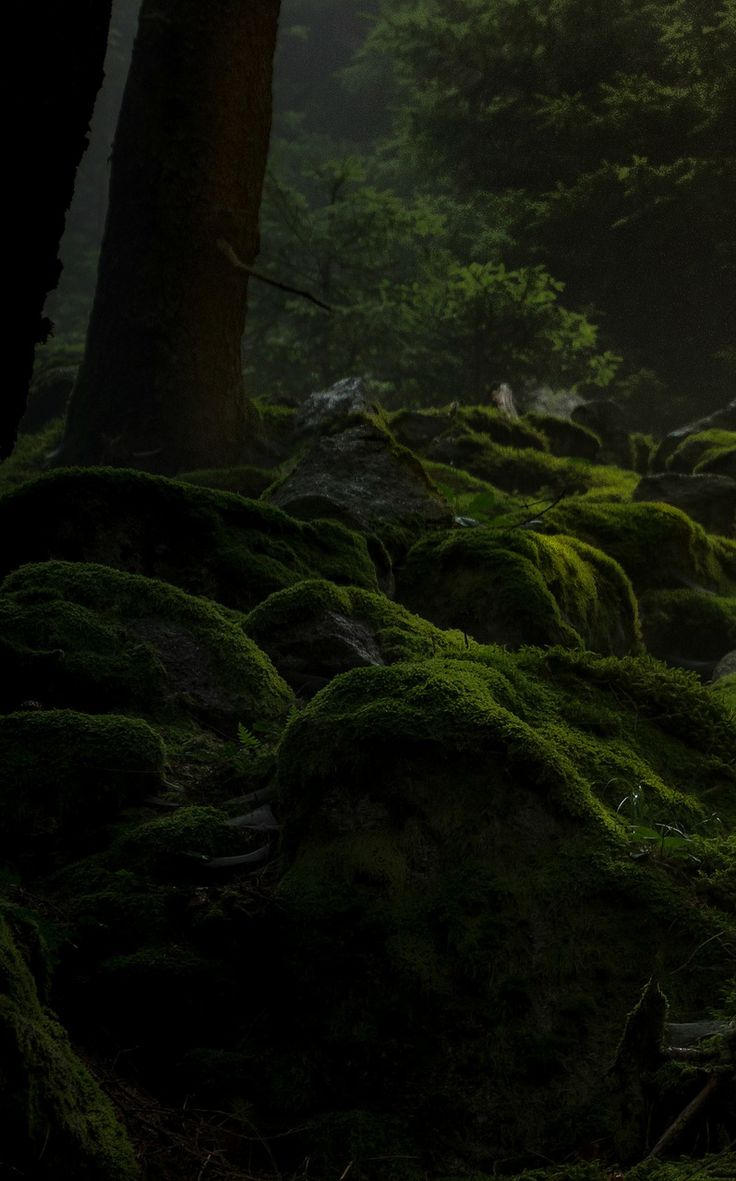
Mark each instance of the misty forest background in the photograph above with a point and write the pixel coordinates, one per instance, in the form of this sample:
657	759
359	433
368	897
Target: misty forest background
520	193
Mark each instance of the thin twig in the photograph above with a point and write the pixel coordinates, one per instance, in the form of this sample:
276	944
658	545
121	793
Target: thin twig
226	249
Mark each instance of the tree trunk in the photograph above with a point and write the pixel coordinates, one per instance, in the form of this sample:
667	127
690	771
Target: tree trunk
60	49
160	387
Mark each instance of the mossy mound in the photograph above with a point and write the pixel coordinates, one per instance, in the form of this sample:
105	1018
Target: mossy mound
696	626
65	774
418	428
249	482
470	909
520	433
471	497
657	545
519	587
565	437
56	1121
317	630
209	543
93	638
707	451
513	469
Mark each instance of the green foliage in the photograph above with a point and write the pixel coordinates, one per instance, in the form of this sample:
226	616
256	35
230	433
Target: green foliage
603	138
411	307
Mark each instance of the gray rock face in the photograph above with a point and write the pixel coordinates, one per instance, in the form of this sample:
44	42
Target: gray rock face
417	428
709	500
360	477
726	666
329	408
308	655
722	419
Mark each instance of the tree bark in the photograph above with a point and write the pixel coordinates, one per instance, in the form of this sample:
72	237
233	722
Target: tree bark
160	387
61	50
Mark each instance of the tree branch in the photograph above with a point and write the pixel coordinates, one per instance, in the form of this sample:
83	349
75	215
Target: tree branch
226	249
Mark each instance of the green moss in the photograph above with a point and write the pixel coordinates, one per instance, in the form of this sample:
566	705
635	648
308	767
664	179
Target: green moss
566	437
30	456
209	543
657	544
56	1121
96	639
187	838
65	773
520	587
725	690
642	451
288	615
250	482
471	497
702	452
519	433
470	916
513	469
609	483
688	623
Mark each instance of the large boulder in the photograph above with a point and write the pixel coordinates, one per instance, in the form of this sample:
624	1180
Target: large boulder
363	478
566	437
316	630
688	628
514	469
707	452
470	912
708	499
209	543
658	545
91	638
518	587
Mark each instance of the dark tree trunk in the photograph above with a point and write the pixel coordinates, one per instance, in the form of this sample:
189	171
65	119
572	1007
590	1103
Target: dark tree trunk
160	387
60	48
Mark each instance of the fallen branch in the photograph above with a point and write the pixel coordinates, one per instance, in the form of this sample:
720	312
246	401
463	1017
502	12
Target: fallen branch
226	249
693	1107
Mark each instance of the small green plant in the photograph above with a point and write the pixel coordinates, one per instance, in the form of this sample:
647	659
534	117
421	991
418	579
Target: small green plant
248	740
662	840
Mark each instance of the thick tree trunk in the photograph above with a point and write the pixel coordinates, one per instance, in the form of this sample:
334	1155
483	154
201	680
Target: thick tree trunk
160	387
60	49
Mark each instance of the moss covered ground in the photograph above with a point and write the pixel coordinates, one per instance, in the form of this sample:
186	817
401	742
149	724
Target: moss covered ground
500	814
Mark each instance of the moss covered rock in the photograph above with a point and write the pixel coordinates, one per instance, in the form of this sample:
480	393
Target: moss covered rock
93	638
513	469
471	908
250	482
210	543
315	630
706	451
688	624
566	437
65	774
56	1121
519	587
658	545
708	499
361	476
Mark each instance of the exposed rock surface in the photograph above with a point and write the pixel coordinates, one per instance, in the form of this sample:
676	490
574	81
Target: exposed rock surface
726	666
326	409
708	499
607	419
361	477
